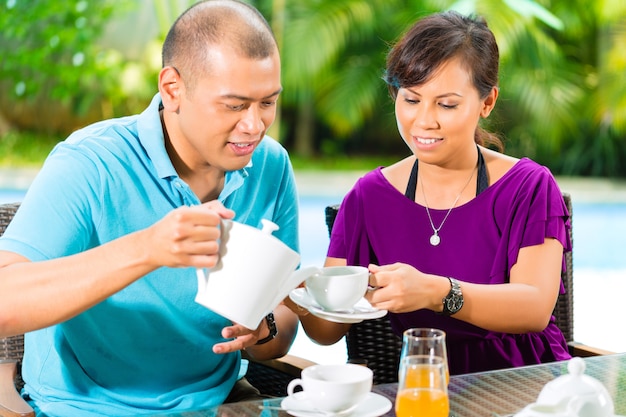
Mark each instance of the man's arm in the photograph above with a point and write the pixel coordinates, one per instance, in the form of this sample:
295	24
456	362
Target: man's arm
64	287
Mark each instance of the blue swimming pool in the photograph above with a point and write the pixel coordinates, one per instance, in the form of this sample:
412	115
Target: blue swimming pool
599	235
10	195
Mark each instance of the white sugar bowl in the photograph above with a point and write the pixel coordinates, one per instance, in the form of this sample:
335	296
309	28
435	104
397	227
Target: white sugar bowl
572	395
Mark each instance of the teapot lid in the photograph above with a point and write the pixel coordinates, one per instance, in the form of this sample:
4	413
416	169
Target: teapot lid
577	385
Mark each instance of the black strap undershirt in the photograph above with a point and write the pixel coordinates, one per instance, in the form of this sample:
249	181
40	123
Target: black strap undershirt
482	182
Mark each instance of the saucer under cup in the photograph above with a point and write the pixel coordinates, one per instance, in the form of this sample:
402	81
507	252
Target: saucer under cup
373	405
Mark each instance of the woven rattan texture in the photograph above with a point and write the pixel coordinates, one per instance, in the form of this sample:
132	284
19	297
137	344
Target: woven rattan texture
7	211
564	309
267	380
11	347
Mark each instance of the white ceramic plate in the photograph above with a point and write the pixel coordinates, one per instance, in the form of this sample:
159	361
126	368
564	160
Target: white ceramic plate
374	405
362	310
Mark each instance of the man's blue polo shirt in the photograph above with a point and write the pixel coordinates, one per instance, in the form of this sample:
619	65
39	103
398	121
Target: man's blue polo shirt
149	347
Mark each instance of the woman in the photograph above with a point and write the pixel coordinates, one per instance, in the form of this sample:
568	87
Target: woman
457	236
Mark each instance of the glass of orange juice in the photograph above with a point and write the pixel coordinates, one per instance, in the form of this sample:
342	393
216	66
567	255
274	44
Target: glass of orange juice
428	342
422	387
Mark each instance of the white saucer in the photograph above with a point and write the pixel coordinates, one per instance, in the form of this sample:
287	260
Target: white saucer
362	310
374	405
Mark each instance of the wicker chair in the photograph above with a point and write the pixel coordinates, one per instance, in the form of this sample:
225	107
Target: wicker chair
269	377
373	342
11	352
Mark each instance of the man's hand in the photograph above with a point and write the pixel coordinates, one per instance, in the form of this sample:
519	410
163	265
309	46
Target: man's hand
187	236
286	324
243	337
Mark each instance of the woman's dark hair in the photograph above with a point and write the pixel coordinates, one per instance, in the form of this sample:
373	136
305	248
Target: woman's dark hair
436	39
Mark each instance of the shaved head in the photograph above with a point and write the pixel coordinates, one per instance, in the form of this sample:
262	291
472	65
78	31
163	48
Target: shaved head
215	23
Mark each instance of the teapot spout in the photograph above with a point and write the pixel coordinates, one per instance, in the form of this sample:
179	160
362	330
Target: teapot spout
296	278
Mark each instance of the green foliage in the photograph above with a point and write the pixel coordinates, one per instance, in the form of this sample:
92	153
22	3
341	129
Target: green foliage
334	162
25	149
562	63
333	55
561	101
593	141
53	51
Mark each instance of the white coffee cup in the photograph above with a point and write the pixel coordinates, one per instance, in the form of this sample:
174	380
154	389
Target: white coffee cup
334	388
337	288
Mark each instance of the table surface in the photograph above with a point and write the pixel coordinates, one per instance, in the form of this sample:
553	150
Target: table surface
484	394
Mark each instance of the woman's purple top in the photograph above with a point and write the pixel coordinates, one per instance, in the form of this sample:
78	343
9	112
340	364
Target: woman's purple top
480	242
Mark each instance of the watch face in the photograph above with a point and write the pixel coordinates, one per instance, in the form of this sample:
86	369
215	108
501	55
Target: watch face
454	303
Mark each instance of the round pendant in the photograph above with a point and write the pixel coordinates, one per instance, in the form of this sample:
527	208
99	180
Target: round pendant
435	239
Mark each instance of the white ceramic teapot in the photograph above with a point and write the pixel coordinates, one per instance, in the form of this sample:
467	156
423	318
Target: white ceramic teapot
572	395
255	272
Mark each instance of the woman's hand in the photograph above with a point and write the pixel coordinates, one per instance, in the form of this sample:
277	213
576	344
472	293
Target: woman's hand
401	288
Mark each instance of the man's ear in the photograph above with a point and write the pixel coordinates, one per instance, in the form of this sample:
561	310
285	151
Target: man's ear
170	87
489	102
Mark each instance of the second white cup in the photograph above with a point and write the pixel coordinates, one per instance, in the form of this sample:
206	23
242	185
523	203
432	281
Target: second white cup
334	388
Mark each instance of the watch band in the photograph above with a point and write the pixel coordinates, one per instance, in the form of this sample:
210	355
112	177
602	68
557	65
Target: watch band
271	325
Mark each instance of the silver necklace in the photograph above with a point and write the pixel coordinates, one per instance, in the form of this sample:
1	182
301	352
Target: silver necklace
435	239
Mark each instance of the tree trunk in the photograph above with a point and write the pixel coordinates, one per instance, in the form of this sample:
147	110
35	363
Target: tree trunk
305	129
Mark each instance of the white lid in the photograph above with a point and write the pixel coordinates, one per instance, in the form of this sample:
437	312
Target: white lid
578	392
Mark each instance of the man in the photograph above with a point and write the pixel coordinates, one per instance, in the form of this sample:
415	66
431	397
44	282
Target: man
98	266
